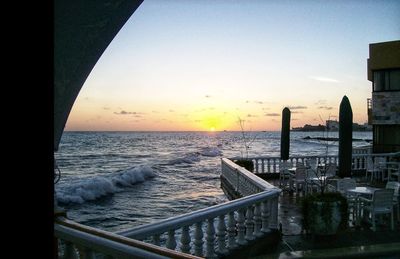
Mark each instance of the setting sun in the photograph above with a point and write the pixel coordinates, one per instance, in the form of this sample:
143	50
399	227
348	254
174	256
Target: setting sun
212	129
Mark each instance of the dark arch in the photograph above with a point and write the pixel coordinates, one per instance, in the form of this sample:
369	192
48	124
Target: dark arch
82	31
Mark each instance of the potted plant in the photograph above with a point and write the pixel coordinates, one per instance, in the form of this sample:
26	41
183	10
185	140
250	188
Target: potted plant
325	212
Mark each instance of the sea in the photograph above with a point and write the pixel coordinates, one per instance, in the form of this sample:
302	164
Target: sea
119	180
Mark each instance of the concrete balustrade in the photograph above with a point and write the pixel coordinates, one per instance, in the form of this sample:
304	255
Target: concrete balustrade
270	165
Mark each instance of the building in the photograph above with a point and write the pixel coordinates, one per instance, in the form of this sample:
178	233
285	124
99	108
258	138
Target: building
384	107
332	125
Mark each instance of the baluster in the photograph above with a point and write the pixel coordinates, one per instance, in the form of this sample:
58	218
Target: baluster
273	222
70	250
256	165
156	240
269	165
185	240
257	220
221	235
198	239
265	212
274	166
171	242
262	166
231	230
241	228
249	223
210	238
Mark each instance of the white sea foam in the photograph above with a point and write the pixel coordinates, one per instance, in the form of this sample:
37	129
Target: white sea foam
188	159
99	186
211	151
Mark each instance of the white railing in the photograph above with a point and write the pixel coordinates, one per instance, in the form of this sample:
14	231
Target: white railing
216	230
362	150
211	232
242	181
270	165
74	240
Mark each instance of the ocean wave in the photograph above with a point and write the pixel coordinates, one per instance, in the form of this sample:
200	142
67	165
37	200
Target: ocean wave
188	159
211	151
99	186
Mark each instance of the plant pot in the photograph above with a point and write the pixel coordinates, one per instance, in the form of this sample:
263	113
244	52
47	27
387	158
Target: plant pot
325	217
324	214
246	163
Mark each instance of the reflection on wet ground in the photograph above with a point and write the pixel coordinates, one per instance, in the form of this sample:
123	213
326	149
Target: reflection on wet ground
348	241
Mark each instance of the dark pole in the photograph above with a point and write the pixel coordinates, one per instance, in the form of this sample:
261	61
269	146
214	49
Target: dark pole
345	137
285	134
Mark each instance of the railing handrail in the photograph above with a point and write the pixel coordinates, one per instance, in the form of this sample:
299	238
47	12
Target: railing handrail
263	185
197	216
62	225
100	244
277	157
322	155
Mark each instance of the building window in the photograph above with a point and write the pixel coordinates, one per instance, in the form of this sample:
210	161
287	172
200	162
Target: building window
386	80
386	138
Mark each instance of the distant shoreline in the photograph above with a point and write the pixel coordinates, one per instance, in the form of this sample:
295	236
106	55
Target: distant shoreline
336	139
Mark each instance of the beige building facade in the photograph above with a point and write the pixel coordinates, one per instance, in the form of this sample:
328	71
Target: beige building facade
384	108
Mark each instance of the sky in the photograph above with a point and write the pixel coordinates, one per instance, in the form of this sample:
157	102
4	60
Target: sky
186	65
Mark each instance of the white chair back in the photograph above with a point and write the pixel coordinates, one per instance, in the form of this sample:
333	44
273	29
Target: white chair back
395	186
312	162
383	199
330	169
300	173
370	163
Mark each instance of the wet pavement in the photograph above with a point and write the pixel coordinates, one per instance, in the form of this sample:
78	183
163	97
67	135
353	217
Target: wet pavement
352	242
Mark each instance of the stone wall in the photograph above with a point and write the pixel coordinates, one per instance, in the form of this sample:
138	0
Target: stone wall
386	108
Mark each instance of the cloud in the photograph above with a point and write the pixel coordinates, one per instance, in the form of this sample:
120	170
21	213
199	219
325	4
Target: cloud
324	79
325	107
251	116
272	114
208	96
297	107
171	110
123	113
294	112
265	108
128	113
258	102
106	108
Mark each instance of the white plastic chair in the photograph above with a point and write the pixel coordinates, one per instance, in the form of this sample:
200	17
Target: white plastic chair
394	172
342	186
300	178
284	173
330	170
373	170
396	202
381	203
